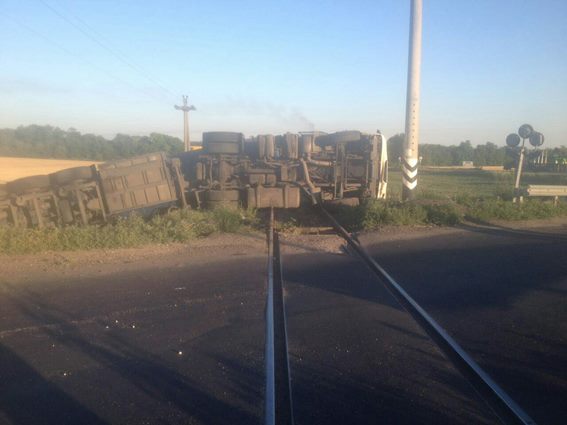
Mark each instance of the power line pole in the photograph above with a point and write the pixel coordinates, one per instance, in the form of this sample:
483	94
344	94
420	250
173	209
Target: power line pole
186	108
411	143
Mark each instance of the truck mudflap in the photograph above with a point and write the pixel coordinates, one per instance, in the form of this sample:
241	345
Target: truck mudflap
284	196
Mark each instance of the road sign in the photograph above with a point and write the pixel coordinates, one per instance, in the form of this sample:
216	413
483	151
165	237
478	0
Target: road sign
525	131
536	139
513	140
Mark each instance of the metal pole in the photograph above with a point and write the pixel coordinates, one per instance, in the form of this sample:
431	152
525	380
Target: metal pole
519	173
411	142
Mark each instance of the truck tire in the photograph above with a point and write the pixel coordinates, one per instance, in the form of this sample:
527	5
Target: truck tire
3	191
223	195
223	148
69	175
222	137
28	184
346	136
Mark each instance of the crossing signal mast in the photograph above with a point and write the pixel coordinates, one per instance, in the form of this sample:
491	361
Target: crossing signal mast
186	108
410	152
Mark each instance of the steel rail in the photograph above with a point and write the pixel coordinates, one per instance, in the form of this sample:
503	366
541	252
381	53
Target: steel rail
278	408
505	408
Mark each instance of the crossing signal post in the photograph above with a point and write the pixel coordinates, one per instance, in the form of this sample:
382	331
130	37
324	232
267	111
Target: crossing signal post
186	108
513	140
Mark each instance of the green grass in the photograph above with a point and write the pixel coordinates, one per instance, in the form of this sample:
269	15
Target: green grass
444	197
488	209
444	184
449	196
373	215
178	226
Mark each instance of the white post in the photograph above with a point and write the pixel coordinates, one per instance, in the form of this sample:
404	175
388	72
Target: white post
517	194
411	143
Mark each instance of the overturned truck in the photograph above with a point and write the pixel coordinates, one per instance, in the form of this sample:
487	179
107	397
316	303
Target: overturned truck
257	172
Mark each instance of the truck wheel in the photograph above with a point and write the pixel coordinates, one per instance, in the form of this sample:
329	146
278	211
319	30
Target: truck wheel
69	175
223	148
28	184
345	136
222	137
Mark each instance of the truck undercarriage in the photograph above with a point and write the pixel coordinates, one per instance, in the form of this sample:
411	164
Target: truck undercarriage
258	172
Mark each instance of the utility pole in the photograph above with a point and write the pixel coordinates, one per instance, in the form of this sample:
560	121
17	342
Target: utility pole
411	142
186	108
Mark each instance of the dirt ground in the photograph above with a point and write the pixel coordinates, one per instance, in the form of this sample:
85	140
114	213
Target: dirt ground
80	264
50	265
15	168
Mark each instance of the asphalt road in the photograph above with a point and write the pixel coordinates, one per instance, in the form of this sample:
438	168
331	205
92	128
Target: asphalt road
163	341
502	294
182	344
357	358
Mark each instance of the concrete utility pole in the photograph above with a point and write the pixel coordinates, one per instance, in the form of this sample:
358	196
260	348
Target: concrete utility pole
411	143
186	108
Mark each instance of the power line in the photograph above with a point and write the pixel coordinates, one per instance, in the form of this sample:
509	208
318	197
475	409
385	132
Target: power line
114	52
125	58
79	57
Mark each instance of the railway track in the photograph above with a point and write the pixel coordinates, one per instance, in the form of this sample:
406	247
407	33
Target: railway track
278	394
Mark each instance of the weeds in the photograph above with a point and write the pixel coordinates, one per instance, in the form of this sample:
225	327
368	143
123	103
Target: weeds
178	226
185	225
484	210
375	214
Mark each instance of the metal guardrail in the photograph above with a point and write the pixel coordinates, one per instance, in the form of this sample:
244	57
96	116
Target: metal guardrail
278	408
506	409
546	190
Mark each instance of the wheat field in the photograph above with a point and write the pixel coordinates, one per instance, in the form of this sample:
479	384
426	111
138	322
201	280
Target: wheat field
14	168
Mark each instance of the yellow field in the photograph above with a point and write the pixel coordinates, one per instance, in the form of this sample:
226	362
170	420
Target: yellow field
14	168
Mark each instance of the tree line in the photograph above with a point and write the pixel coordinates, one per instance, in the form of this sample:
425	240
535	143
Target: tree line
44	141
486	154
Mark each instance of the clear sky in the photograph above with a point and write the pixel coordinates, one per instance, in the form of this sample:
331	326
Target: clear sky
262	66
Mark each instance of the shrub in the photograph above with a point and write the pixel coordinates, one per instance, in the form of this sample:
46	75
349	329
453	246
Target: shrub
177	226
497	209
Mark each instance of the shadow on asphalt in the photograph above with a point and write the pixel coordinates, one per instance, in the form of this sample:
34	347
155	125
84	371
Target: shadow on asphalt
464	276
392	371
334	273
146	371
26	398
502	298
495	230
327	395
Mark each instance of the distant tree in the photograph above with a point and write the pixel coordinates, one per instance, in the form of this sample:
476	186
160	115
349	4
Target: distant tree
52	142
395	147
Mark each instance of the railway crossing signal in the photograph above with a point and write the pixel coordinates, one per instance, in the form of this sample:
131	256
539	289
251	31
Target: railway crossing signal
186	108
526	131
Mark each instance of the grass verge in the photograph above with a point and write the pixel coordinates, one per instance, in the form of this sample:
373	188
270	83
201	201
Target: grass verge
178	226
372	215
485	210
185	225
